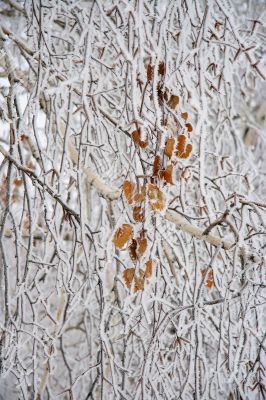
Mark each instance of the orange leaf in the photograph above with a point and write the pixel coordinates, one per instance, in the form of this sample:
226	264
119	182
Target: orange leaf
122	235
161	68
166	174
184	115
137	140
156	197
156	165
187	152
128	188
169	147
174	100
138	214
189	127
140	196
142	246
148	272
209	282
128	276
181	140
18	181
149	72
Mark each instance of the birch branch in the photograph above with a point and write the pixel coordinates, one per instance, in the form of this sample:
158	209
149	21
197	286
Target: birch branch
31	174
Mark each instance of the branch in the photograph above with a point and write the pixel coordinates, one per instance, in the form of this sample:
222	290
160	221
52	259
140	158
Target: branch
31	174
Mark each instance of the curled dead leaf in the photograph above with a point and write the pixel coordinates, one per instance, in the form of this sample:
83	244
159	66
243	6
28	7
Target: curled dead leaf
137	139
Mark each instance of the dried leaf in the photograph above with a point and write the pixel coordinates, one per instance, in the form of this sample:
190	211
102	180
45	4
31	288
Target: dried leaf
184	115
156	197
128	276
169	147
187	152
128	188
189	127
174	100
139	282
136	136
140	196
133	250
23	137
160	92
156	165
209	282
138	214
142	246
167	173
165	95
181	140
143	143
137	140
161	68
18	181
122	235
148	272
149	72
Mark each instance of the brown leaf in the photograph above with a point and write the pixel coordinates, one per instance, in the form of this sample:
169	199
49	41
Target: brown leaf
128	276
149	72
148	272
133	250
128	188
122	235
156	197
140	196
23	137
138	214
169	147
161	68
167	173
174	100
142	246
18	181
181	140
184	115
139	281
156	165
187	152
209	282
160	92
136	136
189	127
137	140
